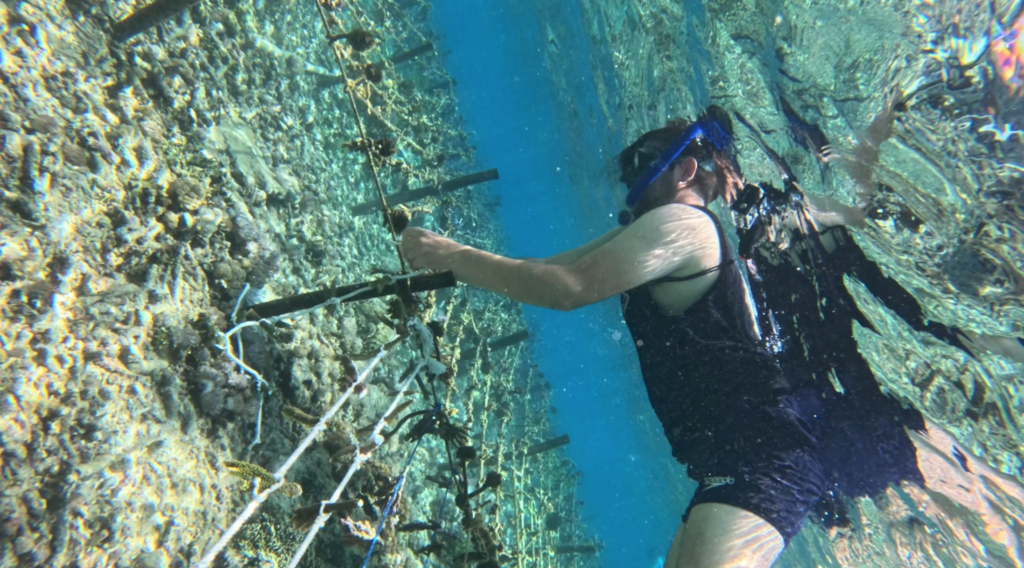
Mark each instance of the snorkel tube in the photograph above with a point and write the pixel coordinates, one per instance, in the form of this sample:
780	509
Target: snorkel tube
713	127
709	129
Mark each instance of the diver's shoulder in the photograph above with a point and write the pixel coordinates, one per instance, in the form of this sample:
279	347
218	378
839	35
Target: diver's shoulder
682	211
675	221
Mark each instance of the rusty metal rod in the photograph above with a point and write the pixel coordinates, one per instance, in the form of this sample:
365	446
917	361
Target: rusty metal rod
551	444
362	131
402	286
430	191
411	54
147	17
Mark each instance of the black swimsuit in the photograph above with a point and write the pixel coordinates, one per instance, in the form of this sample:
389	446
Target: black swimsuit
724	402
751	408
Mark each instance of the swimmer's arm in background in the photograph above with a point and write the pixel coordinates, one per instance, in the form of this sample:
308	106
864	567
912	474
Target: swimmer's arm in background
1009	347
828	212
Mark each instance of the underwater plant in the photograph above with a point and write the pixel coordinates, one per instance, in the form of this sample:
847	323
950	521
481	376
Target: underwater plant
163	193
358	39
304	517
258	479
373	72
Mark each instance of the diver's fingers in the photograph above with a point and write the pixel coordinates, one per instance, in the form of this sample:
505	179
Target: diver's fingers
967	339
830	154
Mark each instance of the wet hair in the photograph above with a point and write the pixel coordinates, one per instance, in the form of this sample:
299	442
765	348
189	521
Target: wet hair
639	155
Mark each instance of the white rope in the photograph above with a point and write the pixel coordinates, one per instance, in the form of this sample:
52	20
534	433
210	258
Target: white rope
322	424
420	337
225	345
259	419
238	303
258	500
356	464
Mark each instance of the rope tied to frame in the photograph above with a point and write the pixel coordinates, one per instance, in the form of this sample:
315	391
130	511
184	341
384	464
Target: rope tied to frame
359	125
395	492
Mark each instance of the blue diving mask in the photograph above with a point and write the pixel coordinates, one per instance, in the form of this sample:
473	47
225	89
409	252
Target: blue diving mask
707	129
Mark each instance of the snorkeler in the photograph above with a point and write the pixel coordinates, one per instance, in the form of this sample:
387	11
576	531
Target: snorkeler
714	385
739	401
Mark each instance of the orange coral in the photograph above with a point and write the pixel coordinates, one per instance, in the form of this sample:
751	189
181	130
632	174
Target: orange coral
1007	51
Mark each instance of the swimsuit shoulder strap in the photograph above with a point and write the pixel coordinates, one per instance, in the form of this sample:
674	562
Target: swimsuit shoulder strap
727	259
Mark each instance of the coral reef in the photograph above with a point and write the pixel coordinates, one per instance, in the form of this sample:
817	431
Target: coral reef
152	179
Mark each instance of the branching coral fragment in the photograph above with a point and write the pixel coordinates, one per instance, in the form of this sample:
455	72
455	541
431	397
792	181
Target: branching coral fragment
304	517
358	39
299	416
258	479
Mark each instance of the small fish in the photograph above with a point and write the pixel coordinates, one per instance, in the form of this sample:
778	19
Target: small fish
304	517
300	416
360	433
257	479
365	355
809	136
368	508
348	371
418	526
432	548
398	410
358	39
344	453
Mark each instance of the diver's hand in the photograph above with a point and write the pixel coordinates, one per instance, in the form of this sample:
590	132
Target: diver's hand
976	343
426	250
828	212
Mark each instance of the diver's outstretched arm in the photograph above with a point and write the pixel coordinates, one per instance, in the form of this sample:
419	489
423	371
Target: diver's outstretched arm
666	239
570	256
828	212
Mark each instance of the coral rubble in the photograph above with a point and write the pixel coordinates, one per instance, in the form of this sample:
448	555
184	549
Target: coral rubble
164	174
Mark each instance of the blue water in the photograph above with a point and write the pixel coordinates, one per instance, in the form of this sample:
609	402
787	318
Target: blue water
632	489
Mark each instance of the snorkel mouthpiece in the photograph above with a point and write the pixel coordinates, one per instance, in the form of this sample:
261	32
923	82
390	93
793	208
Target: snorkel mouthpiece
709	129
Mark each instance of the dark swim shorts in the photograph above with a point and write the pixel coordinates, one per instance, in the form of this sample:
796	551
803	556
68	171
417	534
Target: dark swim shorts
762	460
804	450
